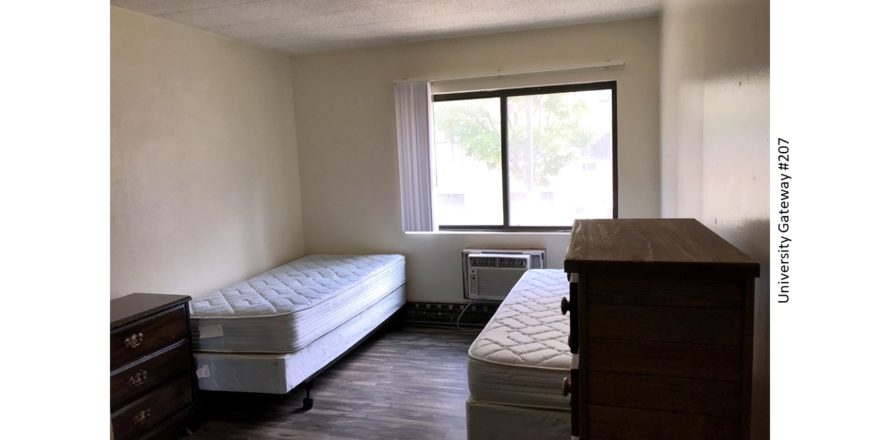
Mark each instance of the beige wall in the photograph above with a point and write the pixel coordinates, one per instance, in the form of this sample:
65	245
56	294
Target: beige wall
205	180
348	147
716	128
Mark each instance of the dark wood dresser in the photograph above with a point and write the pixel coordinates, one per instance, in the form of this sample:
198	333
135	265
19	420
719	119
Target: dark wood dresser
661	331
152	380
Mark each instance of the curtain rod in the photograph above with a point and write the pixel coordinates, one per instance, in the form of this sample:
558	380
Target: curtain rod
500	73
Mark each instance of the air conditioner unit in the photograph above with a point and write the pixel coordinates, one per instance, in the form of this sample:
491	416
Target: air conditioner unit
489	274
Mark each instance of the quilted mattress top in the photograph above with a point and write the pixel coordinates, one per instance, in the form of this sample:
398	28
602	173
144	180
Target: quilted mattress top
529	330
296	286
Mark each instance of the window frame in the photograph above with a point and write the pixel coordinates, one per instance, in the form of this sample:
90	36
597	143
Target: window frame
503	94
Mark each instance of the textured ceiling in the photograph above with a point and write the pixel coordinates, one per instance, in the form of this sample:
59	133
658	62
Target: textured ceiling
301	26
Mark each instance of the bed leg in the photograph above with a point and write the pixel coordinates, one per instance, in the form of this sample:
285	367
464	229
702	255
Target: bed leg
307	401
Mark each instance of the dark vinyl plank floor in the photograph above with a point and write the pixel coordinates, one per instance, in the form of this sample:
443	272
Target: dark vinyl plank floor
408	383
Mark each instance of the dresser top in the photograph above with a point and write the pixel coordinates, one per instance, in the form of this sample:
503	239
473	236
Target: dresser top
130	308
621	245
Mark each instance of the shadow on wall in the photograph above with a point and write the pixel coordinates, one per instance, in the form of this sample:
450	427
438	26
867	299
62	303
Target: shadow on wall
756	243
728	36
753	237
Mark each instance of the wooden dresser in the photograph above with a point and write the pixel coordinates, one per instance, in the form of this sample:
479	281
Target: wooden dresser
661	331
152	381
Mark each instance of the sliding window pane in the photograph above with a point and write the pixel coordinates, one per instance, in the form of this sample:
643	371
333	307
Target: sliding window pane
560	157
467	163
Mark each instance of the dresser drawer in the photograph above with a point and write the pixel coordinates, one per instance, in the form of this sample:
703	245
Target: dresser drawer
134	341
685	325
146	412
139	378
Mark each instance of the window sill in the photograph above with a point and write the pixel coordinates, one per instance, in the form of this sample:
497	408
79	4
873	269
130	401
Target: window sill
490	232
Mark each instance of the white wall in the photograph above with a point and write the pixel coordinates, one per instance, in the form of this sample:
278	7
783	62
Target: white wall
716	128
204	172
348	147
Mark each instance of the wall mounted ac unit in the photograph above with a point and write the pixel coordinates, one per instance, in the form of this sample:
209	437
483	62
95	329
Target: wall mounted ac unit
489	274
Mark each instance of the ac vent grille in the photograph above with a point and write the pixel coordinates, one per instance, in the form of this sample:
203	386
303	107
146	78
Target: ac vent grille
484	262
517	263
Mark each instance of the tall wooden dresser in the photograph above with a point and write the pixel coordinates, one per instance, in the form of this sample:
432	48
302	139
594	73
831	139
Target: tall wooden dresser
661	331
152	381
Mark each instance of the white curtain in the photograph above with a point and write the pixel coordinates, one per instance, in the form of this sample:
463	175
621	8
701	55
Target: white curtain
413	104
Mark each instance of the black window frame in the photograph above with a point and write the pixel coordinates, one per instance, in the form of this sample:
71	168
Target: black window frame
503	94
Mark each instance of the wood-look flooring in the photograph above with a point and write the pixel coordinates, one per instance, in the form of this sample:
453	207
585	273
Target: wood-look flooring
408	383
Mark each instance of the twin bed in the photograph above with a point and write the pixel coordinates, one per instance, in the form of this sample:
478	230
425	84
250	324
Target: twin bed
517	363
276	330
279	329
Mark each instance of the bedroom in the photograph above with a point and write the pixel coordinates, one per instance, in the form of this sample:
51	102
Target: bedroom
314	191
229	159
445	220
195	145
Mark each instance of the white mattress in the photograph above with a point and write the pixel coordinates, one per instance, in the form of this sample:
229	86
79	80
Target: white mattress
286	308
522	355
486	421
279	373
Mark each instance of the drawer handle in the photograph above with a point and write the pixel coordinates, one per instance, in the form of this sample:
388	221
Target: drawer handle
135	340
566	387
564	305
141	416
137	379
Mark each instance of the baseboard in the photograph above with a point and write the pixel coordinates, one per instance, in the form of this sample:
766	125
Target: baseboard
446	314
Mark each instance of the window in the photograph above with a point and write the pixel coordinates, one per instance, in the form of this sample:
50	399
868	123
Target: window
524	159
